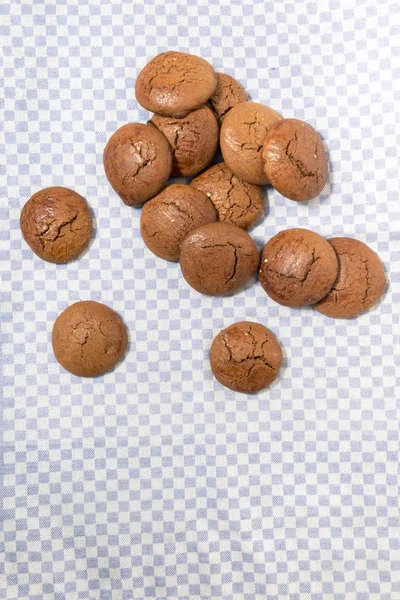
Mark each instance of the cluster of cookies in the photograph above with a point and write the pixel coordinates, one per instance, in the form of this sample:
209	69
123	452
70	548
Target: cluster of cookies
203	225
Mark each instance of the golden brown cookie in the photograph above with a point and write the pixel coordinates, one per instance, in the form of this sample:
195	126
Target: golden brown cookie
297	267
360	283
218	259
193	140
235	200
245	357
174	83
227	94
137	162
242	136
89	338
295	161
168	218
56	223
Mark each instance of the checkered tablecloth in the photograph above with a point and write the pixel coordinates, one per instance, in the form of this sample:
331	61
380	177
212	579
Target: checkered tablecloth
154	482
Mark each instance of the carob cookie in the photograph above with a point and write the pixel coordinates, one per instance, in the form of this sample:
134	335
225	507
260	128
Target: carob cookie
137	162
193	140
295	160
245	357
89	338
168	218
174	83
227	94
56	223
236	201
218	259
297	267
360	282
242	136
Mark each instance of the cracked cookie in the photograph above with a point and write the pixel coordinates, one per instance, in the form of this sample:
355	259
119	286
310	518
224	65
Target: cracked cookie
137	162
227	94
193	140
235	200
89	338
242	136
56	223
295	160
174	83
297	267
218	259
360	283
245	357
168	218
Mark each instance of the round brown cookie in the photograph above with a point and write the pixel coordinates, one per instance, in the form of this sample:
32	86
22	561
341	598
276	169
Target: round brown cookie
137	162
227	94
297	267
235	200
360	283
193	139
295	160
56	223
168	218
174	83
218	259
242	136
89	338
245	357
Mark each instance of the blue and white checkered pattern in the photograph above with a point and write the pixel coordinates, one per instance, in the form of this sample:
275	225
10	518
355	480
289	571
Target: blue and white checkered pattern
154	481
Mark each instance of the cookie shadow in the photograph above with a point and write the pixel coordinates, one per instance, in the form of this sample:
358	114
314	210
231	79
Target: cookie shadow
387	286
249	284
181	180
259	241
217	158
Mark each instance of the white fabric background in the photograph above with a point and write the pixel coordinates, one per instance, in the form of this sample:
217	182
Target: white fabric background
154	481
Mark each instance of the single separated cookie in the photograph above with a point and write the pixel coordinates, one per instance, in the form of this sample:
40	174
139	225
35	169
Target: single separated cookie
245	357
89	338
56	223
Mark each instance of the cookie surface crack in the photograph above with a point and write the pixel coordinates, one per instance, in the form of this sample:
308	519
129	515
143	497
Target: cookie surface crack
368	286
296	162
314	259
235	262
145	155
253	357
235	257
57	231
178	208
